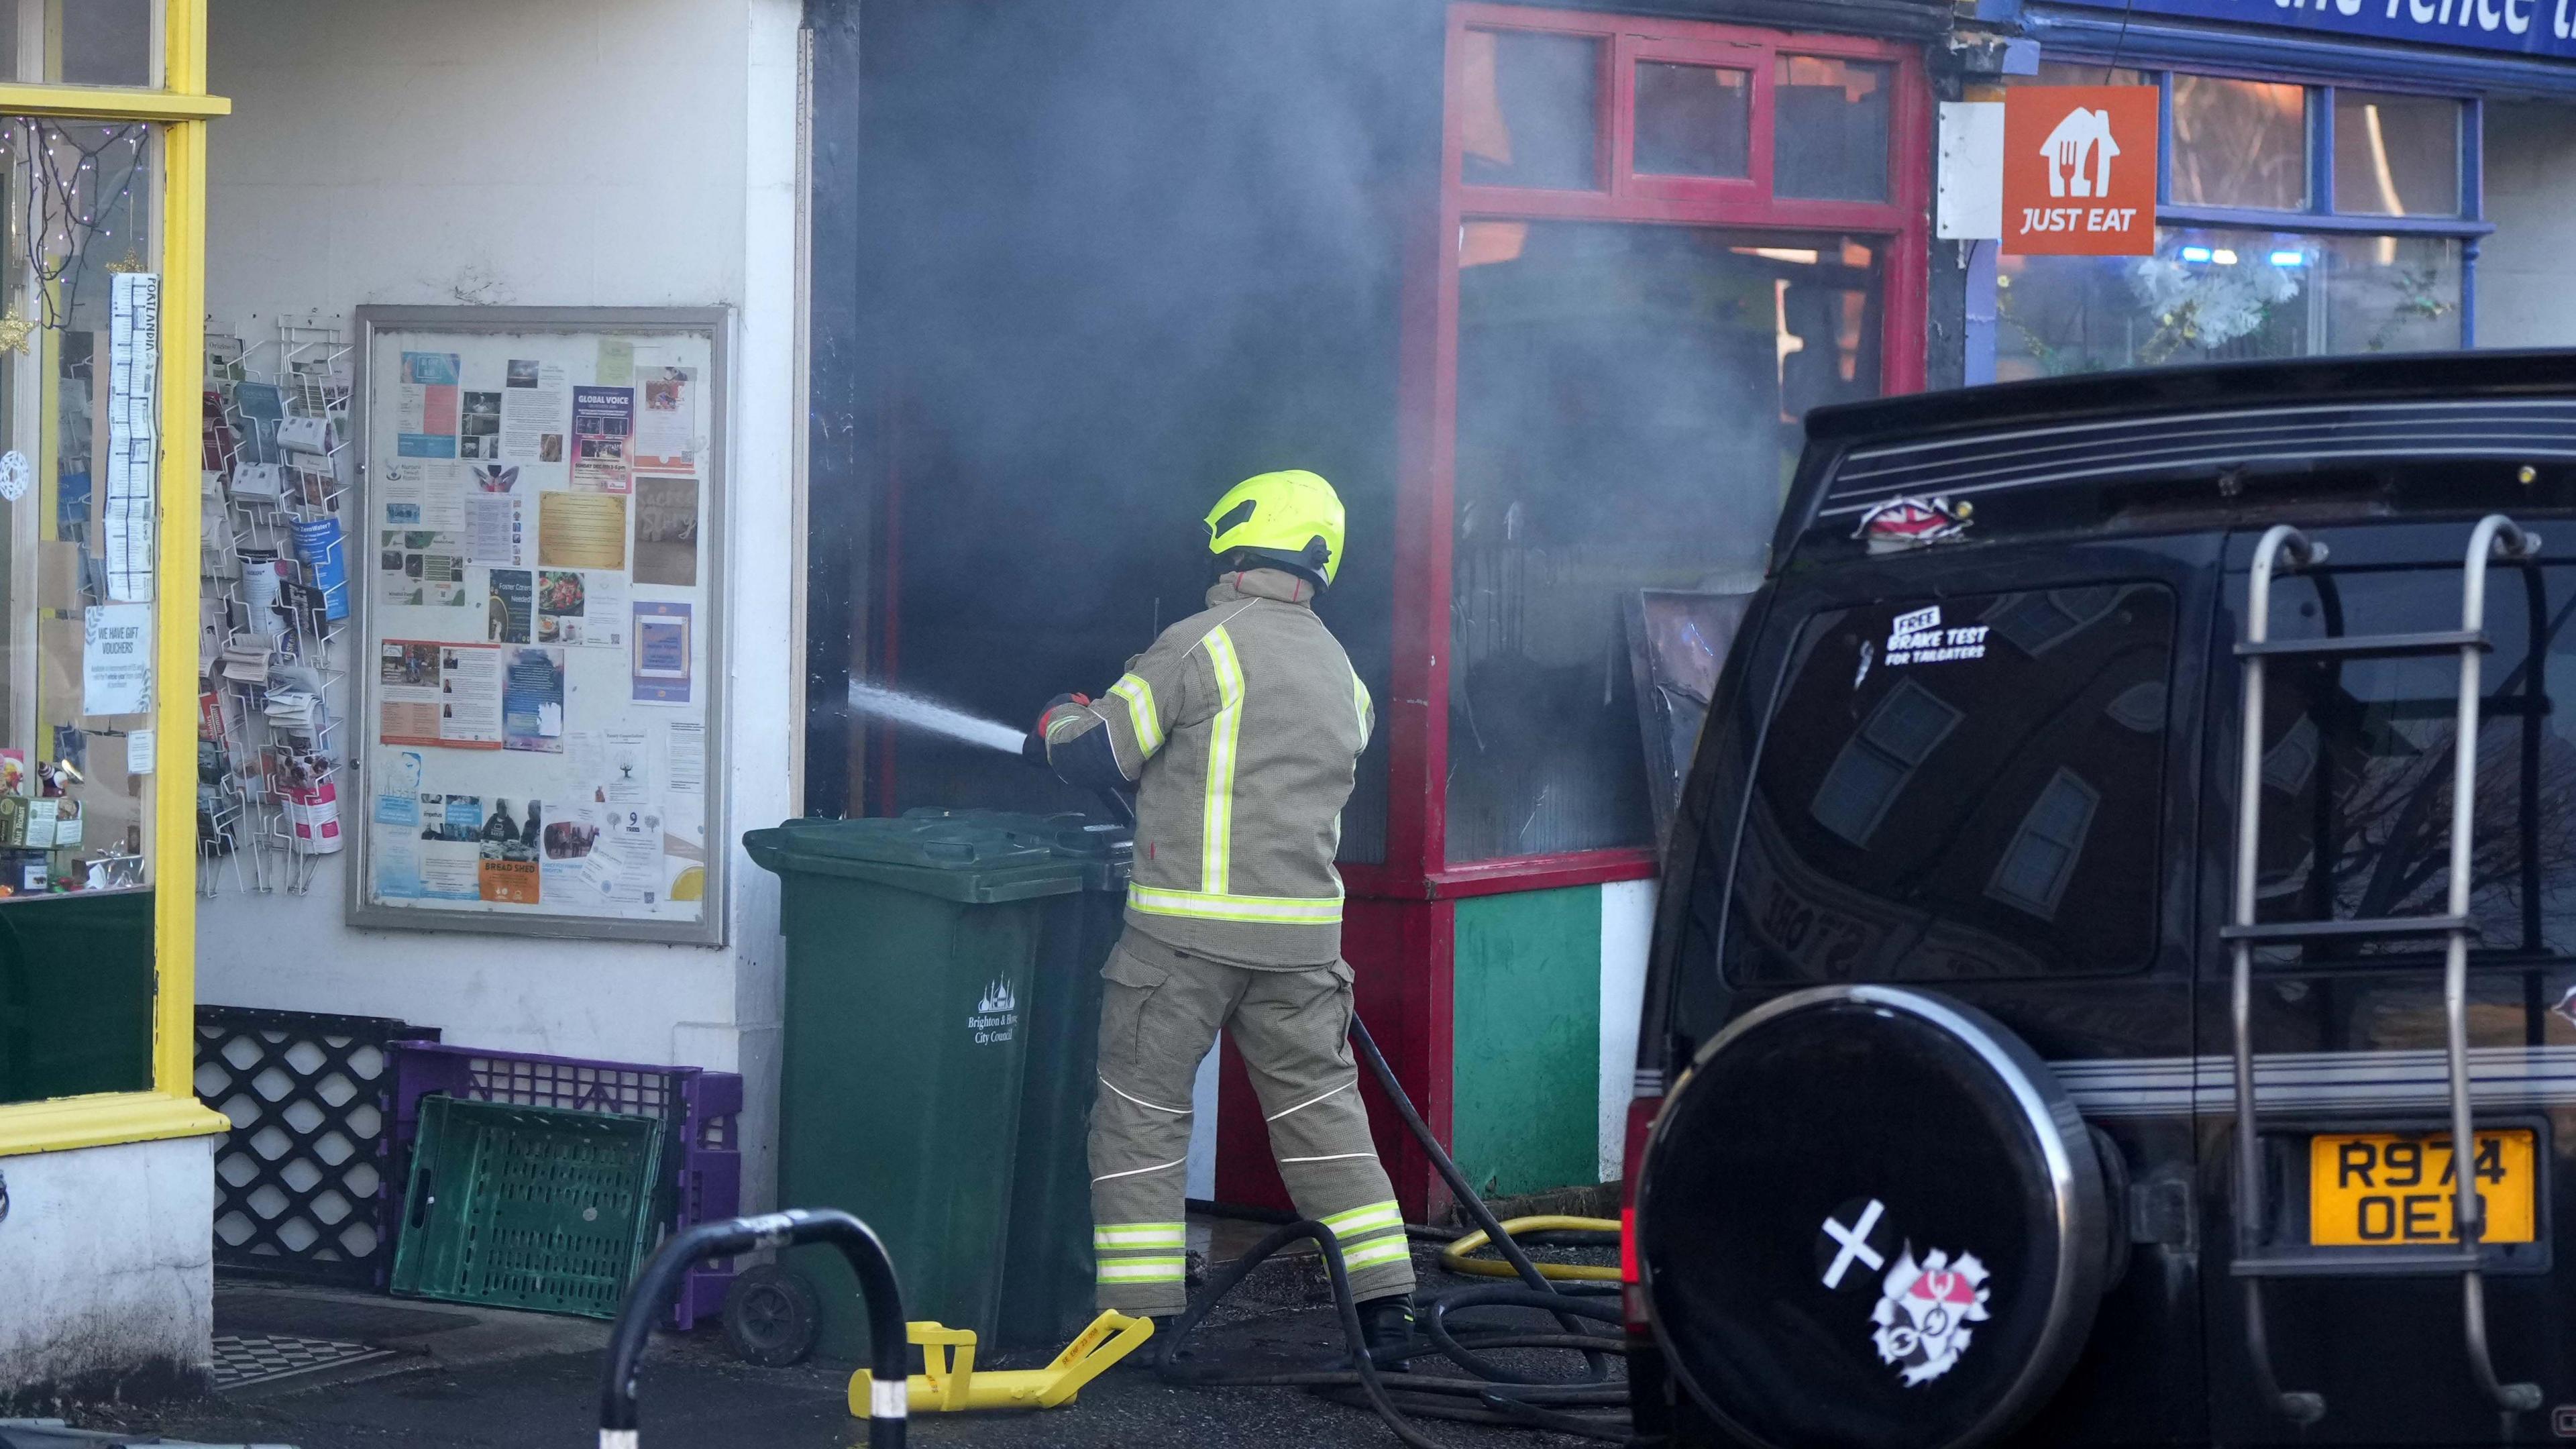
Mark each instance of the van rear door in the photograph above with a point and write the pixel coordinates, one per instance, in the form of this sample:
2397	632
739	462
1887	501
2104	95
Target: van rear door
2356	767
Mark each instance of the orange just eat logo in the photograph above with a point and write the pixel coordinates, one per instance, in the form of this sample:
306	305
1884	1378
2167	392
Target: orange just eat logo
2080	170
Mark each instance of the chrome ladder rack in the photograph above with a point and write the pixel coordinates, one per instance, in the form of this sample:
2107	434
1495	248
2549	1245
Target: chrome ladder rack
2495	537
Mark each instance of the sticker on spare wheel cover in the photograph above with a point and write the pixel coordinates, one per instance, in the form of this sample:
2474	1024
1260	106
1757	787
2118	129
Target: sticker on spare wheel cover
1924	1309
1925	1306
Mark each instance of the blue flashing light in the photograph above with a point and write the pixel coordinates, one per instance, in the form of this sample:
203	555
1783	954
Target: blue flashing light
2195	254
2289	259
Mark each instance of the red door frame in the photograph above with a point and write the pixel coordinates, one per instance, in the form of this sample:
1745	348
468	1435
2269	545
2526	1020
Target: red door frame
1401	930
1417	865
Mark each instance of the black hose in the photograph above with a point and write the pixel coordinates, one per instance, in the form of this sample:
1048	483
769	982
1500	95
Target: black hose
889	1356
1482	1215
1495	1396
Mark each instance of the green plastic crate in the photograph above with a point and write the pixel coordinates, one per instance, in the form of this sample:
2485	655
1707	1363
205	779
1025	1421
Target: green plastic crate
528	1207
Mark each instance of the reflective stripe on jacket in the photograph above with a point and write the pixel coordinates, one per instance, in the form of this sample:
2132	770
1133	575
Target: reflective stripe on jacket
1242	727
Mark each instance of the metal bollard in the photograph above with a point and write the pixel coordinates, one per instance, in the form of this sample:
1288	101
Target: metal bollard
651	1296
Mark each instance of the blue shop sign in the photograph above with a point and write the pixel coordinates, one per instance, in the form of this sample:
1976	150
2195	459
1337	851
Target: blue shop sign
2544	29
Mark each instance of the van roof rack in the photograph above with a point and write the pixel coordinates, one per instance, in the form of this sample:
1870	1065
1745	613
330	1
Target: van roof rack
2106	438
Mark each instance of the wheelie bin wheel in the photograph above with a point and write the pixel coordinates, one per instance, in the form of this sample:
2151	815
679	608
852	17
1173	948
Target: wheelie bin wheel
771	1316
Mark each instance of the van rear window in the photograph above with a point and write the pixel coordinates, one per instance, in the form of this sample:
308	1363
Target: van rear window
1963	787
2358	763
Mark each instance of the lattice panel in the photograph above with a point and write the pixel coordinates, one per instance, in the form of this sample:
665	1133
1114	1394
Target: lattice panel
299	1185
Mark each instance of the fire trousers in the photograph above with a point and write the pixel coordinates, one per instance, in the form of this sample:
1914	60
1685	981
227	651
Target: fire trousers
1161	1013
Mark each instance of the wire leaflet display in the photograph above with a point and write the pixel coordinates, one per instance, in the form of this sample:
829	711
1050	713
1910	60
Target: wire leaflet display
538	551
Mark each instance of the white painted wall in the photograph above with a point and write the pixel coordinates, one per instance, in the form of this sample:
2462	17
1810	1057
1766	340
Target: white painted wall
536	153
106	1263
2523	296
1627	929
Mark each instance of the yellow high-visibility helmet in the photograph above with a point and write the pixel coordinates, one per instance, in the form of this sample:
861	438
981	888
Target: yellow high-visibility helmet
1292	518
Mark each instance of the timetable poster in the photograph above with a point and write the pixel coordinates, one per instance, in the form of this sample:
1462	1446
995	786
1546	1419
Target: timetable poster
543	618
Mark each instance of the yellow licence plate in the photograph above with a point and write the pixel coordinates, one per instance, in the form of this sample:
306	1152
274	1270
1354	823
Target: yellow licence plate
2377	1189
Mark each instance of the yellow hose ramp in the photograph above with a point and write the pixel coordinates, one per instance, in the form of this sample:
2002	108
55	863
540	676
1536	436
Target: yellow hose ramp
1455	1259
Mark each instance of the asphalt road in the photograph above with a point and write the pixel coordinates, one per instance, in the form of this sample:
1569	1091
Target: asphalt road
543	1393
696	1397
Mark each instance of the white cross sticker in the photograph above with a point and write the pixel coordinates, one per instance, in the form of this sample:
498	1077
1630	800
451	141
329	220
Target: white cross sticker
1855	1243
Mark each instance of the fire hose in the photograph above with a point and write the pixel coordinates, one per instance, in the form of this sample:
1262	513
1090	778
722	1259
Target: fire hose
1495	1394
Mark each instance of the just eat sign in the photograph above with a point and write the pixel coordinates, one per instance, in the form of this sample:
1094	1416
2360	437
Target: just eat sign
2080	170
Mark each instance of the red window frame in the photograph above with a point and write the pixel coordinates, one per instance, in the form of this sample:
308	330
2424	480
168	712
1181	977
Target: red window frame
1417	865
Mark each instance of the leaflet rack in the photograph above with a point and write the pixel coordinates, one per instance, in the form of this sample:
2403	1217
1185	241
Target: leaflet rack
2283	546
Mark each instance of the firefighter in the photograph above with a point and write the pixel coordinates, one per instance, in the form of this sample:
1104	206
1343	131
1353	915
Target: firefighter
1240	731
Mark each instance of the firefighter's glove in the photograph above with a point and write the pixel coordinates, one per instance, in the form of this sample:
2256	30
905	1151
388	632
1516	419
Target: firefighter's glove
1034	748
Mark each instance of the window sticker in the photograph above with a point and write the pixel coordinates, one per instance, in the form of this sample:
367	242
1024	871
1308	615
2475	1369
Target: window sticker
1919	638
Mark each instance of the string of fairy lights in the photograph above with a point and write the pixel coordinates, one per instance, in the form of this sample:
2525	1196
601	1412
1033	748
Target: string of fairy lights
74	189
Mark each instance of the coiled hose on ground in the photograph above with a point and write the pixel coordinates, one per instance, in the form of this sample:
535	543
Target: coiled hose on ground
1593	1405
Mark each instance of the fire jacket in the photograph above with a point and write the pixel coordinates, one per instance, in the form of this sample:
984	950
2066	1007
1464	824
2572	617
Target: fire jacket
1241	729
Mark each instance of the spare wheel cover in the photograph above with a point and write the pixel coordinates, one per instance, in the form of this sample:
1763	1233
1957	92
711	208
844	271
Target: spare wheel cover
1916	1153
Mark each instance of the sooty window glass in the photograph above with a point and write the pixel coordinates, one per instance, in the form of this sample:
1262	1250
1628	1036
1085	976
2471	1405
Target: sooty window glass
1829	128
1967	788
2357	762
1693	120
1531	110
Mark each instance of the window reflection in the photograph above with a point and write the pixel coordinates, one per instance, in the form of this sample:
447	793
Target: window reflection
2397	155
2034	870
1908	725
105	42
2239	143
1628	406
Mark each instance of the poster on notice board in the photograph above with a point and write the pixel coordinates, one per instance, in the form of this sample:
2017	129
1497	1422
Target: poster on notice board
542	600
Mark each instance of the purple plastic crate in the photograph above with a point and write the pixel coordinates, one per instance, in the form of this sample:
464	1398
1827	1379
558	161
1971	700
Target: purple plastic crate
700	1105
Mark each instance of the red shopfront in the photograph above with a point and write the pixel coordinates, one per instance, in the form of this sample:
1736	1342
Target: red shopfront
1658	243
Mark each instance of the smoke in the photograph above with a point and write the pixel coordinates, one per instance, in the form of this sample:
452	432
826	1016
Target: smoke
1119	256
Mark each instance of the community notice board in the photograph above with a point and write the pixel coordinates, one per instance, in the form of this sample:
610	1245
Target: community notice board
540	685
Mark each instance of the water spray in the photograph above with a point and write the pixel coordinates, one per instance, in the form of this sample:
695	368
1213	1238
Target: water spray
932	717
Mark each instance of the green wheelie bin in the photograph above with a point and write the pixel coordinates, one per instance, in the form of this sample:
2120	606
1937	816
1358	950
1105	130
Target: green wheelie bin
1047	1268
911	948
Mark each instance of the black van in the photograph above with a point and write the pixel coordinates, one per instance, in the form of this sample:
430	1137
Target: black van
2097	748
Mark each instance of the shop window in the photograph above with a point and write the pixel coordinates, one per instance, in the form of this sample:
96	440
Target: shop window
76	819
2209	295
1949	817
2239	143
2226	284
2396	155
1531	108
1628	408
83	42
1694	120
1830	128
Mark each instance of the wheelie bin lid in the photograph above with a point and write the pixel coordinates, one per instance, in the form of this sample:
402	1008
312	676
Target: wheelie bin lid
956	860
1105	848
